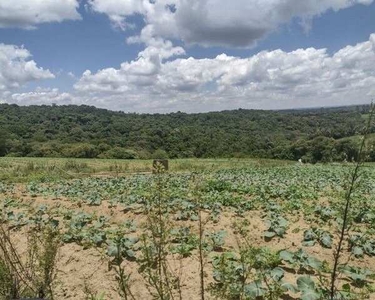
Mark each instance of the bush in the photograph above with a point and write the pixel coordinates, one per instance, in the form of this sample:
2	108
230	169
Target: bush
3	143
83	150
144	154
119	153
160	154
45	150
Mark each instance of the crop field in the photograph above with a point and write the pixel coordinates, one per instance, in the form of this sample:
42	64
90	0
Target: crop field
206	229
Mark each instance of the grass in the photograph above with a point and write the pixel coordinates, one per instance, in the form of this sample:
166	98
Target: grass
15	169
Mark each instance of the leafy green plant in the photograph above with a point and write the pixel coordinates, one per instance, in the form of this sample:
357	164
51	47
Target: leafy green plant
325	213
186	242
124	247
359	277
215	211
361	244
93	199
271	285
219	185
313	235
118	250
186	211
276	226
308	288
229	275
252	274
300	260
214	241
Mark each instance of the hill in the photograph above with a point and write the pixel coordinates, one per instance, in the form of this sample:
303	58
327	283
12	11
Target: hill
88	132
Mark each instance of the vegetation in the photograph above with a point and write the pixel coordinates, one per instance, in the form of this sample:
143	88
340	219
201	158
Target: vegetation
251	232
229	228
34	274
87	132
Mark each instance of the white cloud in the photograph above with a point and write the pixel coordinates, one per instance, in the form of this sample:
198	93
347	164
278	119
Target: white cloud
42	96
72	75
160	80
238	23
16	68
269	79
28	14
142	72
118	11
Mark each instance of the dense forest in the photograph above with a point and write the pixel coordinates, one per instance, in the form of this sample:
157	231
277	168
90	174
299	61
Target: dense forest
313	135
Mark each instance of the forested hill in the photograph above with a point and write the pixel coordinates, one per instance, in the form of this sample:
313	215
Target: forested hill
85	131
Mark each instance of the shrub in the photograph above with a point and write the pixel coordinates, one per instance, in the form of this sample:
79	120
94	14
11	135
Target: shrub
160	154
83	150
119	153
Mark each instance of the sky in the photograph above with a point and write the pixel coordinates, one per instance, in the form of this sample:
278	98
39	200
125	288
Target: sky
159	56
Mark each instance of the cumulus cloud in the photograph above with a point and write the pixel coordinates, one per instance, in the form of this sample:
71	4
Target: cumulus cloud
162	79
142	72
42	96
28	14
269	79
118	11
238	23
16	68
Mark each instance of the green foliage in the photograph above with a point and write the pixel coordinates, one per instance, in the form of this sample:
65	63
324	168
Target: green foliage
124	247
43	249
83	150
254	273
118	250
359	277
183	241
308	289
277	226
325	213
361	244
3	142
160	154
7	281
166	205
313	235
119	153
35	274
300	260
214	241
85	132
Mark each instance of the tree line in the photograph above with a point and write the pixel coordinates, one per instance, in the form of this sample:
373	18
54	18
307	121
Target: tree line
313	135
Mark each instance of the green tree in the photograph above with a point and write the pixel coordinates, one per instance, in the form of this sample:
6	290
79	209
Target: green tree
3	142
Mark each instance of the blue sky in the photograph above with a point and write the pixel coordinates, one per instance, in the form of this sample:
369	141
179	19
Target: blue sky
258	66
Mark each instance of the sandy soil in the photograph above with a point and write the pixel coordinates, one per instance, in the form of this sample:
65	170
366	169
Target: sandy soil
79	268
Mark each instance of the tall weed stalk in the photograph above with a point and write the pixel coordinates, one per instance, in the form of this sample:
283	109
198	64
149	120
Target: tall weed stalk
33	275
354	181
162	283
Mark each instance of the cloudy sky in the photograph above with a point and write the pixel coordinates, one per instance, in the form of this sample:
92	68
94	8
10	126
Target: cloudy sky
187	55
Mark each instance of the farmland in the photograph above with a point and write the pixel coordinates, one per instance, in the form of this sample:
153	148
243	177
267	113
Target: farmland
251	228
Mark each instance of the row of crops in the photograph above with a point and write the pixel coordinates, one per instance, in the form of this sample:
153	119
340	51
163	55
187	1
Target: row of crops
257	233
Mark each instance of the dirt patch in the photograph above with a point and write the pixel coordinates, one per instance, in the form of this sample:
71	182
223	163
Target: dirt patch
79	268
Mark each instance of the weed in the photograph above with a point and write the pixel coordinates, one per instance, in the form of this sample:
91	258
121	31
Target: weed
35	275
353	184
162	283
